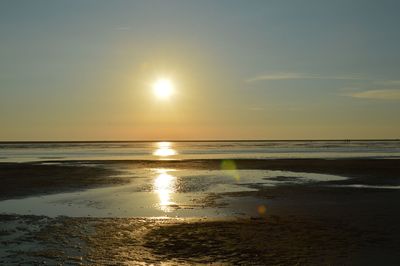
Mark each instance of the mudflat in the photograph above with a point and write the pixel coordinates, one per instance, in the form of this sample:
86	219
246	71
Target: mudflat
23	179
308	224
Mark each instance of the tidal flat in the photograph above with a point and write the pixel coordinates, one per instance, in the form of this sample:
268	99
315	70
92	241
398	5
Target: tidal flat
253	212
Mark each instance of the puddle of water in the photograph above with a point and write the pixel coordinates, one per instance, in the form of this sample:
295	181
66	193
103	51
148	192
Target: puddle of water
368	186
158	192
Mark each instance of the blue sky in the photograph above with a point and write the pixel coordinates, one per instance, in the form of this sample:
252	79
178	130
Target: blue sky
72	70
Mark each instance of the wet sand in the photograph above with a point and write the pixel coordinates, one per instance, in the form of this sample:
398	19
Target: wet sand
301	225
24	179
274	240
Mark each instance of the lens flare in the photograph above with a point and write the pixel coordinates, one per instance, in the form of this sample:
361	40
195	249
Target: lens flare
262	210
229	167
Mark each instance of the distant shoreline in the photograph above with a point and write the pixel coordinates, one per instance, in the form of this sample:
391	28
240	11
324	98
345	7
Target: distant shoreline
214	140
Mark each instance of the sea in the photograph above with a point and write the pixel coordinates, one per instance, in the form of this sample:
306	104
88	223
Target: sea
181	150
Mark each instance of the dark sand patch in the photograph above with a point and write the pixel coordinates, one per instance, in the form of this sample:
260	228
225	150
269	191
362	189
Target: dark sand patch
284	178
372	171
276	240
26	179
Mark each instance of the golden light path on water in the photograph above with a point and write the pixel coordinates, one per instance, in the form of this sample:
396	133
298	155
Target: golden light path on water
164	186
164	182
164	149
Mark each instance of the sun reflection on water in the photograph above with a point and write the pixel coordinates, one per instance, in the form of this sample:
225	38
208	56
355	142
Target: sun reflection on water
164	149
164	186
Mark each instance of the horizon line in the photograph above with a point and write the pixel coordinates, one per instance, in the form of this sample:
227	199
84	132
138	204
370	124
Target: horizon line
194	140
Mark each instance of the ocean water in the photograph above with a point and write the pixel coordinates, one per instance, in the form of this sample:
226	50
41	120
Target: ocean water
45	151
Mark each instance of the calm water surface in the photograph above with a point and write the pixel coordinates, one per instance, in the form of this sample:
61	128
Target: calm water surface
22	152
160	192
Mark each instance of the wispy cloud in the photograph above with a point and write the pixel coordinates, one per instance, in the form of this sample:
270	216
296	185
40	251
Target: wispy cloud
388	94
298	76
389	89
388	82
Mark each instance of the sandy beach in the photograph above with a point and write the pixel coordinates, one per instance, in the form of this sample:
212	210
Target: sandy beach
298	224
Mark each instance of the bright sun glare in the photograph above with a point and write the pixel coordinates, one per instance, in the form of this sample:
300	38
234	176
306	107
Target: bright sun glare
163	88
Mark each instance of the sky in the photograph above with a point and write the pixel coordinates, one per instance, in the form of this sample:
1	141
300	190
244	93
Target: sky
83	70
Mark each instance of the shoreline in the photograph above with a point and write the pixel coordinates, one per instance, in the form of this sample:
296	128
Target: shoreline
194	140
35	178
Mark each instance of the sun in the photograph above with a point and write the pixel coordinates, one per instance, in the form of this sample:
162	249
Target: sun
163	88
